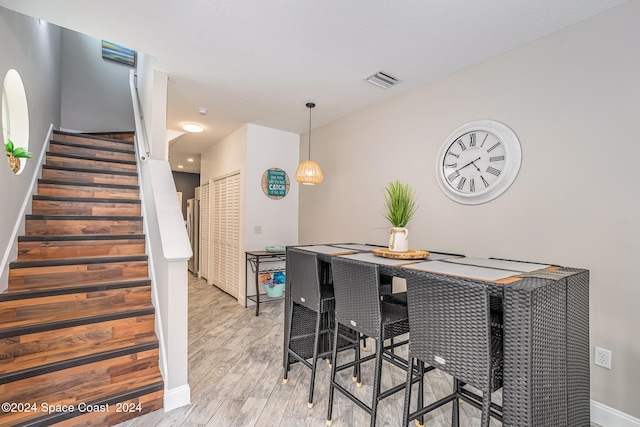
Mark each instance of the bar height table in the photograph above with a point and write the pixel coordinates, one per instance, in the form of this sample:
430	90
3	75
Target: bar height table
546	342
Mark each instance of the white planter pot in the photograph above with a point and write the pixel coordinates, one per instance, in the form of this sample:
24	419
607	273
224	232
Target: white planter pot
398	239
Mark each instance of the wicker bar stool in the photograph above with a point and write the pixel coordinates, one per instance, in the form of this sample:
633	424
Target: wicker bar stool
359	307
311	301
452	330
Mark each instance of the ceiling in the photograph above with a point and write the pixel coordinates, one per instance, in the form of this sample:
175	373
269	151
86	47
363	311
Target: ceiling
261	61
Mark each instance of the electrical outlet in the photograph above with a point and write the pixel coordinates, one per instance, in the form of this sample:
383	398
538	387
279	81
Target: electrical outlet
602	357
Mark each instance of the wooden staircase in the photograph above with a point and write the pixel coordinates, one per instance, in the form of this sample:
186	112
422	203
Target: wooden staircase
77	322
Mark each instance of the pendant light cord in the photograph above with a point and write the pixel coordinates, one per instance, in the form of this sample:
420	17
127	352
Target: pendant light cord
310	105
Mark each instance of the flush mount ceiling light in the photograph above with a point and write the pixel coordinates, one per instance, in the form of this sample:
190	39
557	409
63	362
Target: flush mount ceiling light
309	172
382	79
191	127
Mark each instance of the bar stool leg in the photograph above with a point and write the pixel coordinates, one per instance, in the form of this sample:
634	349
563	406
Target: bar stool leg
407	394
376	381
420	421
333	375
314	363
455	411
287	367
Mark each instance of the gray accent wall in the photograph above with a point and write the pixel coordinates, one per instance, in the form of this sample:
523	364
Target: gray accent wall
95	92
33	48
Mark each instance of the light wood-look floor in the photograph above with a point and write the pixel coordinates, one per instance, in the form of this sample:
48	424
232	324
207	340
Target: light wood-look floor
235	375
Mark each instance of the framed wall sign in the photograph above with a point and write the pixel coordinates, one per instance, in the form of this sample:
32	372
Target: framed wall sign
275	183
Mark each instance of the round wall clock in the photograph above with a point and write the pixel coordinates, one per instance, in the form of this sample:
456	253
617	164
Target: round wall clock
478	162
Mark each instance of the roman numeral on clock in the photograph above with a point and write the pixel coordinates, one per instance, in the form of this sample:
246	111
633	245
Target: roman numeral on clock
472	185
473	140
493	171
451	165
461	183
484	181
461	144
453	176
496	145
496	158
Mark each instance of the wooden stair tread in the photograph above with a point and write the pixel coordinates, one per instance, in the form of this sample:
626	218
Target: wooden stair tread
55	205
87	176
66	275
77	261
66	162
81	355
72	156
48	323
88	184
41	348
58	147
85	199
87	189
117	373
91	140
110	377
88	170
79	246
60	307
100	285
80	237
84	217
97	135
44	225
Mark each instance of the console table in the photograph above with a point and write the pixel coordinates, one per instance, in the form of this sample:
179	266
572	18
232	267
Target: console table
262	262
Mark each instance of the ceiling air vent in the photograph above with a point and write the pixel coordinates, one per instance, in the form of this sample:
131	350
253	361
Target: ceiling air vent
382	80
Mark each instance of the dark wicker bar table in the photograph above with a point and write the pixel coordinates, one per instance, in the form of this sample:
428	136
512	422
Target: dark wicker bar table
546	341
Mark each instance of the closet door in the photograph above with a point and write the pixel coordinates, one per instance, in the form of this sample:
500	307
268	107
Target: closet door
205	220
226	234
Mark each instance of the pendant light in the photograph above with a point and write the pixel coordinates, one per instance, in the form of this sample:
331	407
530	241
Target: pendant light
309	172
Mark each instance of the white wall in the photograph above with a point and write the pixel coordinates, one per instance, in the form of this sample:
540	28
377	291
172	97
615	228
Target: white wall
87	106
252	150
278	219
32	47
225	157
271	148
573	99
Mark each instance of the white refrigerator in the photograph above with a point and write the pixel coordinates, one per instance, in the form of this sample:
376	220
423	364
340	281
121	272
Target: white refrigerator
193	222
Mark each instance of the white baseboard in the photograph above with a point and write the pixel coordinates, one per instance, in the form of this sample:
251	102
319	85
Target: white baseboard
177	397
605	416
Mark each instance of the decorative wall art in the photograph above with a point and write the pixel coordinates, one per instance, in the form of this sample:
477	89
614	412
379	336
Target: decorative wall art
275	183
117	53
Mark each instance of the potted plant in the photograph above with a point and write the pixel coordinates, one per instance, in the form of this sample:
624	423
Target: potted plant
399	207
14	154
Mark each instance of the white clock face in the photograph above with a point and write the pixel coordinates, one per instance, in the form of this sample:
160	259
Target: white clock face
478	162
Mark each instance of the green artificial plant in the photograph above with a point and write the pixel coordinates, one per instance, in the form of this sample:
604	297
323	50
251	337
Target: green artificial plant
399	203
14	154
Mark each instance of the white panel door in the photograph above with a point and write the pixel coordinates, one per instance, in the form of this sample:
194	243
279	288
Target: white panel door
226	234
205	221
